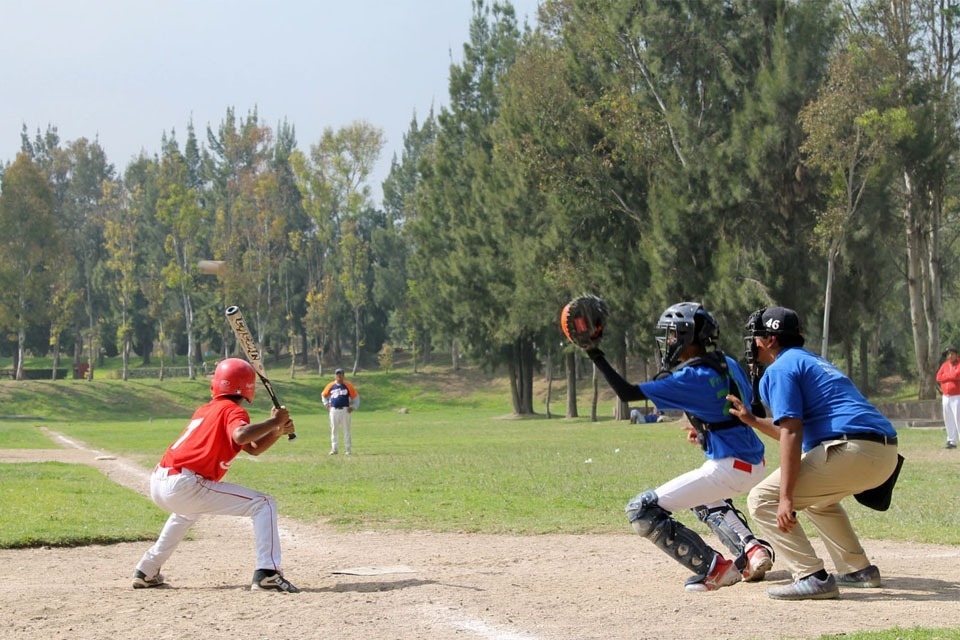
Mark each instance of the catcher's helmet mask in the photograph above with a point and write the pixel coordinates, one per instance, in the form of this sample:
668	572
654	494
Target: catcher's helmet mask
685	324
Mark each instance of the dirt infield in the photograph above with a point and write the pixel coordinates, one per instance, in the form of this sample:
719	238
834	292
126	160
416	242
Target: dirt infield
382	584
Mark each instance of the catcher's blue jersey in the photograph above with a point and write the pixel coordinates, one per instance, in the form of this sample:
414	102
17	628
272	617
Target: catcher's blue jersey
701	391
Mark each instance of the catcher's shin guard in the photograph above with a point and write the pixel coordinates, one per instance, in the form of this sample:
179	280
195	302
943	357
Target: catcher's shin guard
729	525
651	521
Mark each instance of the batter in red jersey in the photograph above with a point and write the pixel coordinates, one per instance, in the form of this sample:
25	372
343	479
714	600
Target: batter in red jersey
340	398
188	481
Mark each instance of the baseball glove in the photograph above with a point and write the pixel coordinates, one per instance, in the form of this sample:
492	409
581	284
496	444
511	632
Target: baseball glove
582	321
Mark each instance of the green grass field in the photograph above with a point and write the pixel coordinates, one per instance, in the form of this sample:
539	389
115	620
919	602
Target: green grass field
456	460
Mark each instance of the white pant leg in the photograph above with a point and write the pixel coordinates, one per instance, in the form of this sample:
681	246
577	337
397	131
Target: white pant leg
172	533
333	429
340	419
712	482
188	496
951	417
346	420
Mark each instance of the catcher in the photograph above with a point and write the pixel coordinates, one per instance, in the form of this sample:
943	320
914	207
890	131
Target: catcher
695	378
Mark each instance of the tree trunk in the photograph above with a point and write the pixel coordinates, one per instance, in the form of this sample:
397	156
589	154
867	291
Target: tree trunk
191	339
56	359
864	355
570	368
596	394
91	349
549	368
924	288
161	337
293	355
828	296
413	353
356	340
125	354
528	360
514	384
848	355
21	349
621	410
521	358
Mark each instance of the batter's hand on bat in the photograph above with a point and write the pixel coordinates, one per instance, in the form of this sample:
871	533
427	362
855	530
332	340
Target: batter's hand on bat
283	420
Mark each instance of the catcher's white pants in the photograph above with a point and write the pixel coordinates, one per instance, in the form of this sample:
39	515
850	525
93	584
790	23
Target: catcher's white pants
709	486
188	496
340	419
951	417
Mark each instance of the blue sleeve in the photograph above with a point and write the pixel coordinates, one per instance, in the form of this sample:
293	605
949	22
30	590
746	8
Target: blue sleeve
781	390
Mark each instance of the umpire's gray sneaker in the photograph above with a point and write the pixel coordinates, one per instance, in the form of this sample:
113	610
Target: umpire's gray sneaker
809	588
868	578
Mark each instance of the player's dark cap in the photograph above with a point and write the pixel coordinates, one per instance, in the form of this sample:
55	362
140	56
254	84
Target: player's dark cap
780	321
338	372
952	349
774	321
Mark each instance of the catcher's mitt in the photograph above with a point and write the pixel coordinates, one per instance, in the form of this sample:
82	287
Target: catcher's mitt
582	321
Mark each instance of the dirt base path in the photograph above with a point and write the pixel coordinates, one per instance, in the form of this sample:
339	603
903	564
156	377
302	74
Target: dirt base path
382	584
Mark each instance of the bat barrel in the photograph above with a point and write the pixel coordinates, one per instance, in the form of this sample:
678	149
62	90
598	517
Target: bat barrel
231	310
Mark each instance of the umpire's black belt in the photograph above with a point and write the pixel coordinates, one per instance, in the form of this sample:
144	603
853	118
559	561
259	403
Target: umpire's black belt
872	437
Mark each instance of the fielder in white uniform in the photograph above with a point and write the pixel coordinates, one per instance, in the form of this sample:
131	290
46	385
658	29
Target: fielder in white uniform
340	398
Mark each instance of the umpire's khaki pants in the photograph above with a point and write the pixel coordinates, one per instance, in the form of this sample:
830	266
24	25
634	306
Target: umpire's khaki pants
828	473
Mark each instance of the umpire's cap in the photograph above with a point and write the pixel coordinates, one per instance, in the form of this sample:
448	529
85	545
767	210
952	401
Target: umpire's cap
774	321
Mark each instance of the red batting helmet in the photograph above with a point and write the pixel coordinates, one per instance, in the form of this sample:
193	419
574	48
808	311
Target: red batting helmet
234	377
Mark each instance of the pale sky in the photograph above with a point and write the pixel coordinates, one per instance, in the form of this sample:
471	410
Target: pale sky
126	71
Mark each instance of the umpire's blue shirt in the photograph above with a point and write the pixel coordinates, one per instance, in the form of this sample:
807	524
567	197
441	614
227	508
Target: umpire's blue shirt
800	384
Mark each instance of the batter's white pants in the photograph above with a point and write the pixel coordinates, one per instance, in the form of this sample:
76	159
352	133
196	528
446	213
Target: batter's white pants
340	418
951	417
188	496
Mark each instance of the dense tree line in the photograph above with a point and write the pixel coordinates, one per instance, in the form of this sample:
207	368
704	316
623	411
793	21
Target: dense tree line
741	153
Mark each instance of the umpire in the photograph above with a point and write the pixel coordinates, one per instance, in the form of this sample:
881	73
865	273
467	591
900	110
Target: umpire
833	444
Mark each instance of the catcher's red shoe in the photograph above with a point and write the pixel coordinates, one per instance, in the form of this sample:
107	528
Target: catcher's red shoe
759	561
722	573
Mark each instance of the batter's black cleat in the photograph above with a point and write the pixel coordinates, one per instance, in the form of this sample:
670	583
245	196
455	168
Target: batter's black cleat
141	581
267	580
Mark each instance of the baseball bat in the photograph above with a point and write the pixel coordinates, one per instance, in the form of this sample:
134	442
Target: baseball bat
250	349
